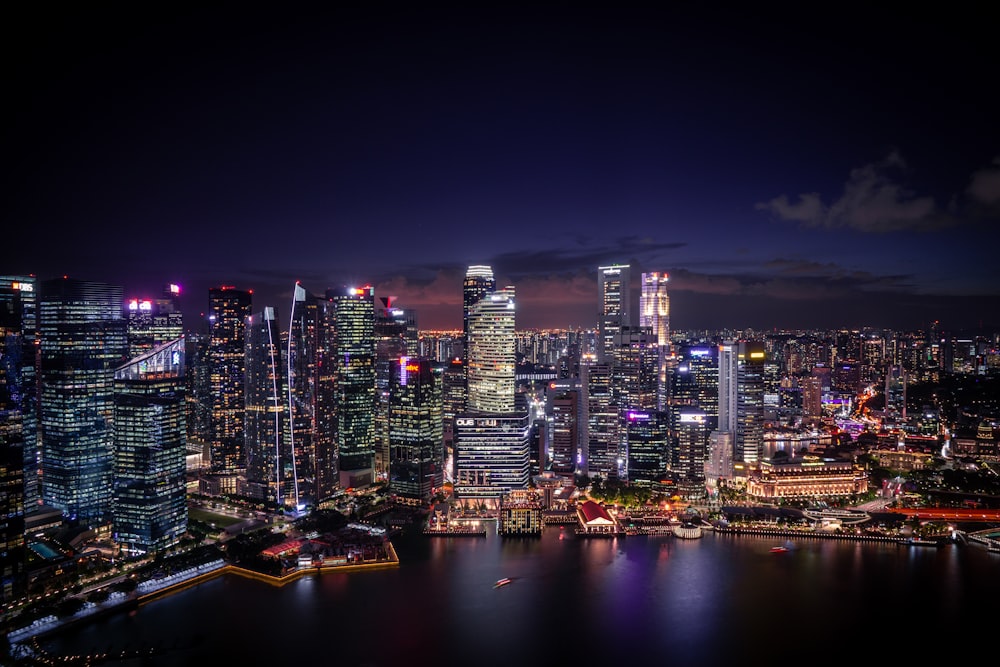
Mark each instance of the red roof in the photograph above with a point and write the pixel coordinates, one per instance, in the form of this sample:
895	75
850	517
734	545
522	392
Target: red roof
592	510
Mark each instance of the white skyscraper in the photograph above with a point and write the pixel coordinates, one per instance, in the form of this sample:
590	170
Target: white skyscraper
728	351
492	353
654	312
616	312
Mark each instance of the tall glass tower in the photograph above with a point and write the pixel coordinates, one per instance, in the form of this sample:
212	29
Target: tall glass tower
268	461
18	428
228	310
416	461
150	494
654	312
478	282
616	312
82	337
355	369
302	368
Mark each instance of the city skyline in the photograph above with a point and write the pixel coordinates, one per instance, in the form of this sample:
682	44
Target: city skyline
784	172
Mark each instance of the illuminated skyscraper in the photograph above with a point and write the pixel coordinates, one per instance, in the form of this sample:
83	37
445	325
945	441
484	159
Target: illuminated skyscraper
269	464
603	424
18	428
228	310
150	494
355	371
749	403
654	312
153	322
614	283
564	411
728	369
395	336
492	436
82	341
303	362
416	459
478	282
647	448
491	358
691	452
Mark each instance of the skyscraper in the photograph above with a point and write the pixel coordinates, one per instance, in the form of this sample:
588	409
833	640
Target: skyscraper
749	403
269	464
416	459
303	363
654	313
395	336
153	322
82	341
228	310
150	495
614	283
603	424
478	282
492	435
355	371
727	387
18	428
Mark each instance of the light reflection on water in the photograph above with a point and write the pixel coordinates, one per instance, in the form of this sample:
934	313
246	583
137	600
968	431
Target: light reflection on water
700	602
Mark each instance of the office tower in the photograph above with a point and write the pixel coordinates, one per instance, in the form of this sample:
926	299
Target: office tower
18	428
395	336
269	464
647	452
691	452
153	322
614	283
602	421
719	459
896	380
492	437
749	403
491	359
150	495
478	282
633	356
654	313
82	341
355	369
228	310
694	382
453	404
301	386
198	389
565	414
325	443
416	459
728	368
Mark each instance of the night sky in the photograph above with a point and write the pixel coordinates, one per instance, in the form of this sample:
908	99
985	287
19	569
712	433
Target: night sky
839	167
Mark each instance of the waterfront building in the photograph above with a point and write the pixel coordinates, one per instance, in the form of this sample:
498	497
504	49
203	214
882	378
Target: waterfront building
719	459
603	425
614	295
82	340
302	362
228	310
520	513
805	478
355	371
654	313
395	336
153	322
269	464
492	437
690	453
416	448
593	519
18	428
150	496
749	403
647	450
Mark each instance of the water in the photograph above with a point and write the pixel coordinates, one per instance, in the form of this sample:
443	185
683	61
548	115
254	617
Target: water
718	600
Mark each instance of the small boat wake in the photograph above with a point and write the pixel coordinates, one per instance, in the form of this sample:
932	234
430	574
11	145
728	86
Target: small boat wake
502	582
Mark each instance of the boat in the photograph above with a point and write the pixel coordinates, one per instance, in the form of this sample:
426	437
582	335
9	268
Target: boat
922	542
502	582
779	549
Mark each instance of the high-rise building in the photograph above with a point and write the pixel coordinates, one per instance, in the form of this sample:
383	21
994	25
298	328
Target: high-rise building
302	386
565	413
325	443
728	369
654	313
153	322
416	460
492	437
634	368
396	335
82	341
478	282
269	463
228	310
602	422
150	495
355	370
749	403
691	452
648	451
614	283
18	428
